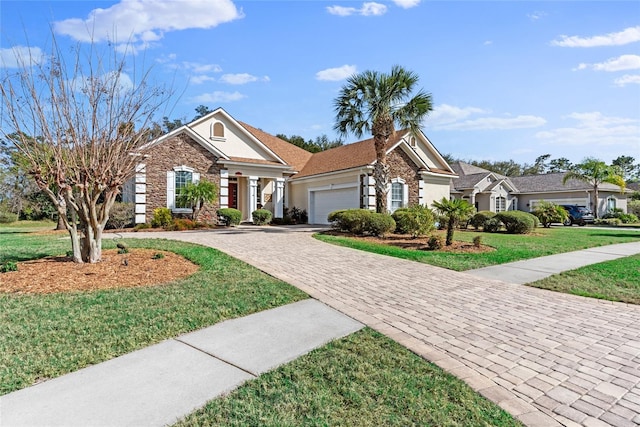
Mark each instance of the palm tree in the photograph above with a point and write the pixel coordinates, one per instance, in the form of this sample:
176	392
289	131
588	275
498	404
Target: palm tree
595	172
453	210
197	194
374	102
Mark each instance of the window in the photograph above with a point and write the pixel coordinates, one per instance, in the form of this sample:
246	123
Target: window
397	195
501	204
611	204
217	130
183	178
412	141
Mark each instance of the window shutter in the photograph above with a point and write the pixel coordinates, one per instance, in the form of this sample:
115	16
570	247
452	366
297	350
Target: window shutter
405	195
195	177
171	189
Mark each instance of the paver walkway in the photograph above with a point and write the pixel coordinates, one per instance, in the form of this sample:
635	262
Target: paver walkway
547	358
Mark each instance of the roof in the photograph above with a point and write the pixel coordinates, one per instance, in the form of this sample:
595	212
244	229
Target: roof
292	154
550	182
462	168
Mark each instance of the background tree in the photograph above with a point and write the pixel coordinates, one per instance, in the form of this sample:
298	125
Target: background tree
627	168
321	143
375	103
595	172
453	210
539	166
92	118
559	165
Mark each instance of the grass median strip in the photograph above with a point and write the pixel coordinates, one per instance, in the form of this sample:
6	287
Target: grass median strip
509	247
44	336
364	379
617	280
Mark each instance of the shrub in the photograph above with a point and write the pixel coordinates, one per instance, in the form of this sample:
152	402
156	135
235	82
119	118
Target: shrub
229	216
379	224
435	242
142	226
8	266
158	255
121	215
517	222
161	217
350	220
181	224
493	225
633	207
548	213
477	241
296	216
628	218
7	217
480	219
608	221
416	220
261	216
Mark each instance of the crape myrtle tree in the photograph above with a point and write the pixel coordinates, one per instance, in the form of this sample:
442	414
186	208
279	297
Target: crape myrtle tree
91	112
373	102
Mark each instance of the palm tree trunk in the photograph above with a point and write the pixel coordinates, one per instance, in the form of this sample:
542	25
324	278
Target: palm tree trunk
450	226
595	197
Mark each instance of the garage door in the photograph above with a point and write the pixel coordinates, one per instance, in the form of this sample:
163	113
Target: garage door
322	202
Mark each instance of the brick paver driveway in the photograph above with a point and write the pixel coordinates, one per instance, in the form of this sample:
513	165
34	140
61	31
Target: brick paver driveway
547	358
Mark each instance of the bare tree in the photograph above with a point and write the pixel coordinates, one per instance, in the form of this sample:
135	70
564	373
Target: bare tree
78	124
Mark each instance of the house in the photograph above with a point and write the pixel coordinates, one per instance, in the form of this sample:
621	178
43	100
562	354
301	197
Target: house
254	169
490	191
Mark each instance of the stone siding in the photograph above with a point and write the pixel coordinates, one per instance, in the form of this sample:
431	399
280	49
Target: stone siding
178	151
400	165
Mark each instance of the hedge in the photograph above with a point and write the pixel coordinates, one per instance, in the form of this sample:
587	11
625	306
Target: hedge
517	222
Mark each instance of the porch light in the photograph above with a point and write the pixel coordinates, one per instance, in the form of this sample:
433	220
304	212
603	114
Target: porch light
238	173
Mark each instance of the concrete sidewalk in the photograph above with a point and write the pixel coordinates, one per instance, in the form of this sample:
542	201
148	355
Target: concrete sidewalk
158	385
530	270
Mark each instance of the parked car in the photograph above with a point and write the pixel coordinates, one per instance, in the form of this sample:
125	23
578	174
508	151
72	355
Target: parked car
578	215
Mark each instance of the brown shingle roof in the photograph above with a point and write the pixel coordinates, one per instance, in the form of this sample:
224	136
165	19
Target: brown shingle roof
292	154
254	161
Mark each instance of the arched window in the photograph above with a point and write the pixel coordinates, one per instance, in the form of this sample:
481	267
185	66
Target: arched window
398	195
177	180
218	130
611	204
501	204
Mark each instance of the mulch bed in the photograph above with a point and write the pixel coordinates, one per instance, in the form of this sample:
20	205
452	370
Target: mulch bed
61	274
420	243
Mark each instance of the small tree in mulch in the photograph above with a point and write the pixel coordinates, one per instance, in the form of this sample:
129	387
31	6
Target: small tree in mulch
453	211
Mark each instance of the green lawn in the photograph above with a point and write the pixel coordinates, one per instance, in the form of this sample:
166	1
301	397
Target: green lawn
509	247
364	379
617	280
49	335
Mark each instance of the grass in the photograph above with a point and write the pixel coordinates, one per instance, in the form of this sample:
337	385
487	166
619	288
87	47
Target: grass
617	280
44	336
364	379
27	226
509	247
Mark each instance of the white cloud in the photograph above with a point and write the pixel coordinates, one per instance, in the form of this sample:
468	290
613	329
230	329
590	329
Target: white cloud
626	79
197	80
242	78
626	36
19	56
336	74
198	68
488	42
406	4
217	96
449	117
623	62
596	130
141	22
367	9
536	15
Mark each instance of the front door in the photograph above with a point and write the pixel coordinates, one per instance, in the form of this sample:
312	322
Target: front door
233	195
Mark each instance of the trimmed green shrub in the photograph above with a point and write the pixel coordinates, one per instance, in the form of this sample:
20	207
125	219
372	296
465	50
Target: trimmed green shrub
7	217
161	217
548	213
628	218
608	221
477	241
229	216
480	219
121	215
517	222
493	225
158	255
379	224
261	216
435	242
416	220
350	220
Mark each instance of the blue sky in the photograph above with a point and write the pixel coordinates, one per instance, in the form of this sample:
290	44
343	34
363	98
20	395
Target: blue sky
509	79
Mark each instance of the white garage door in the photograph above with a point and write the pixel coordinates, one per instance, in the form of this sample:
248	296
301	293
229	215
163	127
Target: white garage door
325	201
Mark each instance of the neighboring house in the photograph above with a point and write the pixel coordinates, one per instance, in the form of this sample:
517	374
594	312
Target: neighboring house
494	192
253	169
